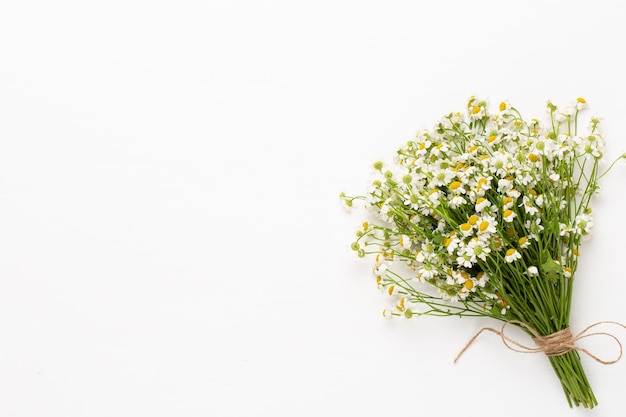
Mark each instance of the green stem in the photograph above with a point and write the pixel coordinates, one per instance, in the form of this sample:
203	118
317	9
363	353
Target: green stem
571	374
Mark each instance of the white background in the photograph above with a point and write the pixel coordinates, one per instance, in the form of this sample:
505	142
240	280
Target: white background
171	241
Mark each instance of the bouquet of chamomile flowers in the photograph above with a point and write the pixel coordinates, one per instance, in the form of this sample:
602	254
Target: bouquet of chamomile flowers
483	215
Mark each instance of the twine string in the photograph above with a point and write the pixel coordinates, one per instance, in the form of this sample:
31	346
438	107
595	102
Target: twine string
555	344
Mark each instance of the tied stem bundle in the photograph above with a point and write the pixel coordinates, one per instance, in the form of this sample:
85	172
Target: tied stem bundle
483	215
555	344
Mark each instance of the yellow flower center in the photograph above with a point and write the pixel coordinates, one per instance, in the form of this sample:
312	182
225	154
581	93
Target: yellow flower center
510	252
484	225
581	100
480	200
473	219
491	138
533	158
507	213
455	185
466	227
522	241
476	110
502	106
469	284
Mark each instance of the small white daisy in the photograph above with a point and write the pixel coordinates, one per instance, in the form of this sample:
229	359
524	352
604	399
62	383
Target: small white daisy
512	255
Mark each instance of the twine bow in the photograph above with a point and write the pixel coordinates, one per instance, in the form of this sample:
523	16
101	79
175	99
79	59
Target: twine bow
555	344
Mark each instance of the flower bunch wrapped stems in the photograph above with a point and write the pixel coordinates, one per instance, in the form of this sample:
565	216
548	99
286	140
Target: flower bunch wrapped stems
483	215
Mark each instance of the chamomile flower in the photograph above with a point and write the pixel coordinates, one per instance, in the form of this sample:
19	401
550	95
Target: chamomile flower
380	269
427	271
505	185
456	187
451	243
482	279
481	204
584	223
404	241
566	229
476	109
494	139
457	201
401	305
523	242
580	103
529	206
390	289
507	202
464	260
412	200
504	107
477	248
486	226
512	255
508	215
440	149
534	226
440	177
499	164
514	193
434	196
481	184
466	229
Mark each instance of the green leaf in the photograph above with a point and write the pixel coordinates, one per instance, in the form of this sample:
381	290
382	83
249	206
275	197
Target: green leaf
551	269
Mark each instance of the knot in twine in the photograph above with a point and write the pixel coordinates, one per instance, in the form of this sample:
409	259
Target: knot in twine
555	344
